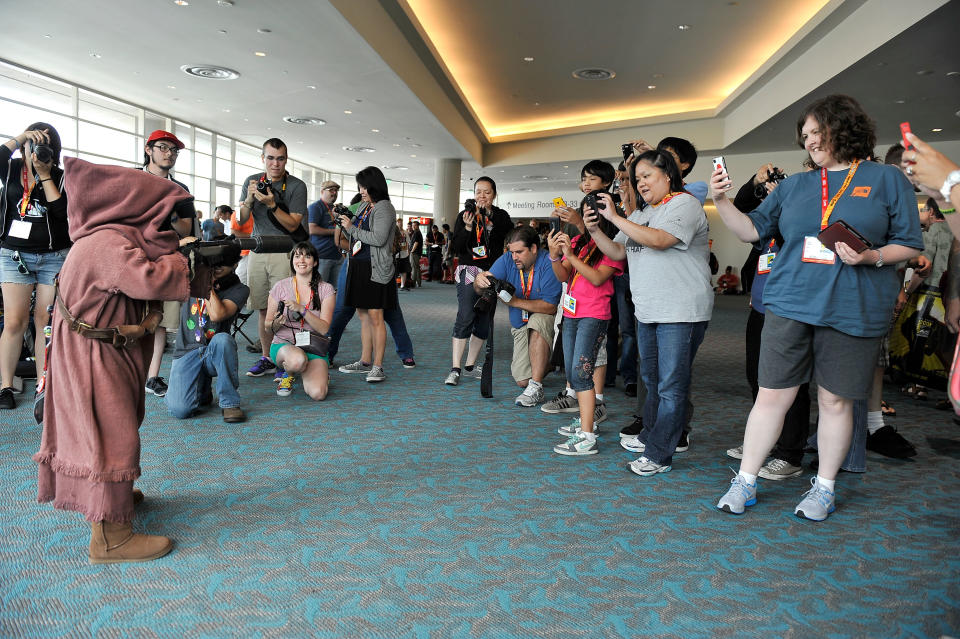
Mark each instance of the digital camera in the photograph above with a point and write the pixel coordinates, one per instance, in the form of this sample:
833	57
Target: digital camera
488	296
263	185
470	205
44	153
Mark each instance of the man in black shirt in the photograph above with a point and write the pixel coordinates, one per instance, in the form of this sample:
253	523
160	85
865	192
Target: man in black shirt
416	252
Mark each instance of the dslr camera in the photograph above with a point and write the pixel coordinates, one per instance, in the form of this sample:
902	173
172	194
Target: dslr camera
340	209
488	296
44	153
775	176
470	205
263	186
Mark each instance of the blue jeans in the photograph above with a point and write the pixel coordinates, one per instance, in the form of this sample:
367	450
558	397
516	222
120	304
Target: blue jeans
628	335
191	373
666	363
581	343
342	314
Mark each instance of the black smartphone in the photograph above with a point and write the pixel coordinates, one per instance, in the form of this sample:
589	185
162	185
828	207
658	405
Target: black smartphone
627	150
556	224
590	202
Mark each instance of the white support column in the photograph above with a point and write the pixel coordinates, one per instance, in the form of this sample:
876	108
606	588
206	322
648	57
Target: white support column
446	191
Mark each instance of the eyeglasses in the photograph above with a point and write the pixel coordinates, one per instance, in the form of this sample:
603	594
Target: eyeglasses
172	150
21	267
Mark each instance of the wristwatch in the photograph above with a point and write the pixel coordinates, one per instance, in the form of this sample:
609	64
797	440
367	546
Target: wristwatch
879	261
952	180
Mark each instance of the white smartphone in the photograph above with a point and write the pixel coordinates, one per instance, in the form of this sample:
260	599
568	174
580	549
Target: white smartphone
719	163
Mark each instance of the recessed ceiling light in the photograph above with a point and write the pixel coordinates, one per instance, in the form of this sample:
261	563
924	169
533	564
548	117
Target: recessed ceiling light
594	74
651	86
47	36
312	87
374	130
416	146
170	86
924	72
226	110
683	27
658	75
260	54
949	73
225	3
396	167
936	130
358	100
413	155
305	120
347	111
536	104
899	101
181	3
522	188
222	31
396	145
502	171
566	166
264	31
535	177
96	55
359	149
209	72
528	59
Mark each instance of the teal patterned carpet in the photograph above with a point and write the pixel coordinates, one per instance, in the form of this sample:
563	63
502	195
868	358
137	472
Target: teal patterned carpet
412	509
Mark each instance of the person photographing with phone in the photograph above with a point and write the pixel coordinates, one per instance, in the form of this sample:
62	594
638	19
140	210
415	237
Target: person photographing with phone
586	312
826	310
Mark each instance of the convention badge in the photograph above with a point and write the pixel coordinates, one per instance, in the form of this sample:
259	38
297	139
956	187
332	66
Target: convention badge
21	229
357	246
765	262
479	252
303	338
570	304
814	251
524	315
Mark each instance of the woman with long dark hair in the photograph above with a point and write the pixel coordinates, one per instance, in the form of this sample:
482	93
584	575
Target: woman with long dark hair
826	310
302	309
478	237
368	239
33	245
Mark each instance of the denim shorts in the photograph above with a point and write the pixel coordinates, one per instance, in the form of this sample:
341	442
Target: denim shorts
582	338
41	267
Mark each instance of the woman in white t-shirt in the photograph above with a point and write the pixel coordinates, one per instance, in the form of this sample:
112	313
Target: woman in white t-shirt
302	309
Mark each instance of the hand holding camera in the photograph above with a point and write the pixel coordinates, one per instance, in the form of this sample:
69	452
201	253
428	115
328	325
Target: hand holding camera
492	288
36	147
343	213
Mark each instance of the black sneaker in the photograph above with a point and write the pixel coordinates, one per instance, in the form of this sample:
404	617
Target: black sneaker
684	444
630	390
889	443
7	400
633	429
157	386
409	363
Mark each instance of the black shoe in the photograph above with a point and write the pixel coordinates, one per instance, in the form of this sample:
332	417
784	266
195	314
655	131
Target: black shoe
684	444
633	429
630	390
157	386
889	443
7	400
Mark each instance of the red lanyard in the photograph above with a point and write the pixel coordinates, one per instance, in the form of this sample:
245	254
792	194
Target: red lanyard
25	201
668	197
481	223
770	246
825	208
526	290
590	248
296	293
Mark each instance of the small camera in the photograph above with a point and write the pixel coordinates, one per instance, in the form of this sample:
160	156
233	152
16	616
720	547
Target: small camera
488	296
627	150
775	176
470	205
44	153
263	185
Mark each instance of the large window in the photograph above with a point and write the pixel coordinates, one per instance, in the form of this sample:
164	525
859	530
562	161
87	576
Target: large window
100	129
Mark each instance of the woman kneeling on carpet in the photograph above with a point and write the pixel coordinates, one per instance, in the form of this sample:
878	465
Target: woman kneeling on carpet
302	309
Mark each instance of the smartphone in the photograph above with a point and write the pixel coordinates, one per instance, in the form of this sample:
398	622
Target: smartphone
904	129
559	203
627	150
719	163
556	224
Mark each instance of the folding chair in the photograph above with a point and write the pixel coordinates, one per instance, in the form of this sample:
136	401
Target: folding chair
238	323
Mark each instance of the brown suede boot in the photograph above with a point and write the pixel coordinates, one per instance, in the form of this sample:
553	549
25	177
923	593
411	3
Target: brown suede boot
112	543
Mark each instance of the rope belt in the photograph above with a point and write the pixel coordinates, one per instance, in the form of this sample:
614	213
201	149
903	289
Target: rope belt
122	336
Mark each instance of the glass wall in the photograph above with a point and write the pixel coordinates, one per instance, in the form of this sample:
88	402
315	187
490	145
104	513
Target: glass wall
100	129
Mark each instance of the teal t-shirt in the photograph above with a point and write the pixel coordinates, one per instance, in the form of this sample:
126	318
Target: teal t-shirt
857	300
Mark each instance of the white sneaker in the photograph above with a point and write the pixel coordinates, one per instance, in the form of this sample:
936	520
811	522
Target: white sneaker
574	427
453	379
646	467
531	396
633	444
577	445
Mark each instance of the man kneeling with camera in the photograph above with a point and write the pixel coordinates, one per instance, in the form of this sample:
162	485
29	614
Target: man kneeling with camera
206	349
524	280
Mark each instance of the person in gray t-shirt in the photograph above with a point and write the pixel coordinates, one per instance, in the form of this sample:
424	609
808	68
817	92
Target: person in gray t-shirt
666	248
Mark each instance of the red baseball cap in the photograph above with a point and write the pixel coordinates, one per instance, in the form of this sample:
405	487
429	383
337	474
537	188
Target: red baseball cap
165	135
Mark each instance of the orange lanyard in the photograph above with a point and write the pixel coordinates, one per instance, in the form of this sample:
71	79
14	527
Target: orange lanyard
25	201
366	209
825	208
526	290
481	223
296	294
668	197
592	246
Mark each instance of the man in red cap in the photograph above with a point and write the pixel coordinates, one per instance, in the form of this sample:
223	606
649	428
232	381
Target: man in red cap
159	157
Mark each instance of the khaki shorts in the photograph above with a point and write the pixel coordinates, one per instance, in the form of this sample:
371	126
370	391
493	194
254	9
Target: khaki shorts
263	271
171	316
520	366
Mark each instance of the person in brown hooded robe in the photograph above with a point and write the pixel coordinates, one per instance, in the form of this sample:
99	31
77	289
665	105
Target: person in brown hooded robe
125	253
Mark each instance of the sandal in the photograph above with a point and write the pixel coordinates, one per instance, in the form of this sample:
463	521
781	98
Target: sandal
887	410
909	390
919	392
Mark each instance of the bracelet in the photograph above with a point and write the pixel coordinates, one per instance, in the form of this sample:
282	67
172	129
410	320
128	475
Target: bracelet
948	211
16	142
556	259
49	179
